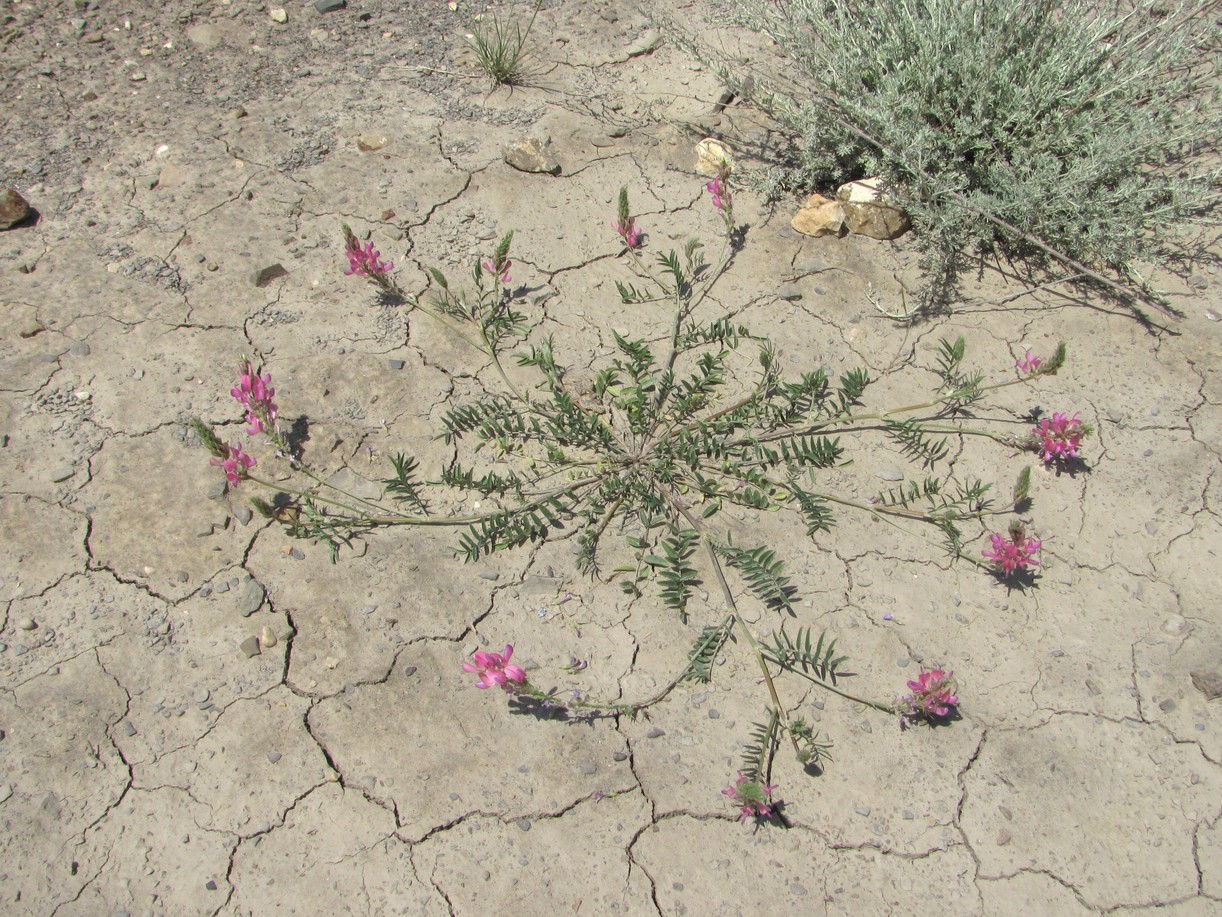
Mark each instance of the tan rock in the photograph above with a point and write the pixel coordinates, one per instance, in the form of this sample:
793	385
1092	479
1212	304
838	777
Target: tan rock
369	143
869	212
820	216
533	155
712	156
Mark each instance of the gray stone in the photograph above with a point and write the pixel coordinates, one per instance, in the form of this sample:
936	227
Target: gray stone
28	624
273	756
252	598
265	275
60	473
329	6
395	364
788	292
891	474
1208	683
250	646
533	155
80	349
244	514
655	733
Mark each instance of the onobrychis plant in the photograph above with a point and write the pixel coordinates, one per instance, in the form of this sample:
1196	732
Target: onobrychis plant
645	464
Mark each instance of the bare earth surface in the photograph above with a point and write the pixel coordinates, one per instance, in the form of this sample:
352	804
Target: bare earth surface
148	765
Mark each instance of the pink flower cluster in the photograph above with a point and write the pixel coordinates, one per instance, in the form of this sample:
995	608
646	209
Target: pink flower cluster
1058	438
1012	552
364	261
494	670
236	463
629	233
1029	362
753	798
254	393
932	694
502	269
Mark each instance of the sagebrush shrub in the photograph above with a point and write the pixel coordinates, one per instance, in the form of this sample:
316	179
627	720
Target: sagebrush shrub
1089	127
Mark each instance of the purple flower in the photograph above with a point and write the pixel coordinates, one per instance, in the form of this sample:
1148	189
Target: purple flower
1012	552
494	670
1058	438
753	798
236	463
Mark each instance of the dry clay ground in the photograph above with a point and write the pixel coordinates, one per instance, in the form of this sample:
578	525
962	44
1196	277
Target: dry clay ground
148	764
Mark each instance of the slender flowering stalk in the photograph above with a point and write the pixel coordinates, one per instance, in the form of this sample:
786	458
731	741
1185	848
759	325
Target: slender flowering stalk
625	225
235	462
1012	552
495	671
498	265
932	696
723	198
1029	363
1058	439
753	798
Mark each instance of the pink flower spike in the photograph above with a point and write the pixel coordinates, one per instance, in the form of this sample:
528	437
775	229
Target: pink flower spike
494	670
1012	553
364	262
236	463
1059	438
490	267
932	695
1029	363
754	799
629	233
254	392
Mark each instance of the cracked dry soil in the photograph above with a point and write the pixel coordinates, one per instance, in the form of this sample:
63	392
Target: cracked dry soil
148	765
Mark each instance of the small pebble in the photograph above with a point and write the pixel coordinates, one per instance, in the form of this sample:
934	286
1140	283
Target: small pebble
244	515
490	575
296	554
188	767
210	885
128	728
267	639
655	733
273	756
1003	837
396	364
524	824
27	624
222	586
862	810
182	576
250	646
714	714
202	696
409	671
589	768
620	756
